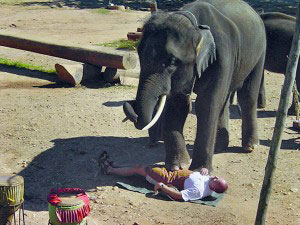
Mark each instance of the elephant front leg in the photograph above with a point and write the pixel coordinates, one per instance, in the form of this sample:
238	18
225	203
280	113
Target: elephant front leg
177	109
156	132
207	122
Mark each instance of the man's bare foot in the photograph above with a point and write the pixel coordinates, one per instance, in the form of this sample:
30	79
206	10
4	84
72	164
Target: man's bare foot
104	163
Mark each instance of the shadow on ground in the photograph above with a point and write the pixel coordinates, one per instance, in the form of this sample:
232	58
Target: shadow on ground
73	162
53	79
236	114
290	144
29	73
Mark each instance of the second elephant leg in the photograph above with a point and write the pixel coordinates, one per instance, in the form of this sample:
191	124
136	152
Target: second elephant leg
156	132
247	98
261	102
292	109
222	139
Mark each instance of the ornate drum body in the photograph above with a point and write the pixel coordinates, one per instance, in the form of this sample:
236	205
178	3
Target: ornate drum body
68	206
11	196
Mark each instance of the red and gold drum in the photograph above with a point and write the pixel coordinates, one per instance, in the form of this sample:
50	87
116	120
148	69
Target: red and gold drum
68	206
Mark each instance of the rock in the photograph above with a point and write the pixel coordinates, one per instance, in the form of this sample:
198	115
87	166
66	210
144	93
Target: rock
115	188
100	188
294	190
251	185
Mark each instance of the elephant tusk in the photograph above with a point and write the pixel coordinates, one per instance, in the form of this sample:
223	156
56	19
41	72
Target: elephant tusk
161	105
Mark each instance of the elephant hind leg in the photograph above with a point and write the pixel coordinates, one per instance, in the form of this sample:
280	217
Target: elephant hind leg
292	109
261	103
247	98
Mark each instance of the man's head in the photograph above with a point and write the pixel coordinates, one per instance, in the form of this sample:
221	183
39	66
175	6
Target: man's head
218	184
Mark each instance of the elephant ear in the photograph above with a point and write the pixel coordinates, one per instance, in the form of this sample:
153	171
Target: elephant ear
205	50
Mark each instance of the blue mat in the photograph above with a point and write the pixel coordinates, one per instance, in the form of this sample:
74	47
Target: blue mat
147	189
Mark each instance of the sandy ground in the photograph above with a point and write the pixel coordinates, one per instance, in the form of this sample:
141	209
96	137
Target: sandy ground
52	134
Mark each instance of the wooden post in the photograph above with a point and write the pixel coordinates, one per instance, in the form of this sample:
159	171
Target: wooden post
153	7
286	91
98	56
296	100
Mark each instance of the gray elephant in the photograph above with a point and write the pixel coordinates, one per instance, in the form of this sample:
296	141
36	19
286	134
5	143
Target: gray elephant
279	30
211	48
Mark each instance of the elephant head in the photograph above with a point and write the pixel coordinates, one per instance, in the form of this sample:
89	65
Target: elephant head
173	52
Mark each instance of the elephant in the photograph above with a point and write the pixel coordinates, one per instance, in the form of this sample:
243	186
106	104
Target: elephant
211	48
280	29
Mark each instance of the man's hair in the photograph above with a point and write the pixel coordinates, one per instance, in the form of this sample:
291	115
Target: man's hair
222	186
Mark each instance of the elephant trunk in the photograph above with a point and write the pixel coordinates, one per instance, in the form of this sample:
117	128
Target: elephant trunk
150	92
128	109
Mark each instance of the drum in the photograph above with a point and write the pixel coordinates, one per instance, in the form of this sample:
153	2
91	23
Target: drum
68	206
11	197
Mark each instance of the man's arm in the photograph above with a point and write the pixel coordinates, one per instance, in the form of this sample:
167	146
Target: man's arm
168	190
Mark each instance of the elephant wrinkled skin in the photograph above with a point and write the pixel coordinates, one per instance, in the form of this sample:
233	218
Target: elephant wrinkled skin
211	47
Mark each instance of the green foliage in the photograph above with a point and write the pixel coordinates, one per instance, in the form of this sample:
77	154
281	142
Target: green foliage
21	65
121	44
102	11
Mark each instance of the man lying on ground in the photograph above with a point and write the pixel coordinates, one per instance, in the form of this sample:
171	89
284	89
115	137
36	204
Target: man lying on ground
191	185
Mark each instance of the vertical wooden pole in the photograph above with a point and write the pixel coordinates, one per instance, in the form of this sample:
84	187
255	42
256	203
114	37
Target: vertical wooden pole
279	125
296	100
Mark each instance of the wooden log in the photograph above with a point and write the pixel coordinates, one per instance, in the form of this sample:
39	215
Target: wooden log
116	7
130	77
98	56
124	77
75	74
134	36
128	80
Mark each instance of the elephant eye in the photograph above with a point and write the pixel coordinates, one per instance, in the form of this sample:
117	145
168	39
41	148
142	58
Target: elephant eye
171	61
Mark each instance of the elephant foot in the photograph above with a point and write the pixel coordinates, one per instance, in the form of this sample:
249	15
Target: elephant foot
175	167
178	164
261	101
292	111
261	106
248	148
222	141
197	168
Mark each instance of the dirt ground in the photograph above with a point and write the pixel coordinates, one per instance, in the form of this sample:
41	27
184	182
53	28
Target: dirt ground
52	133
